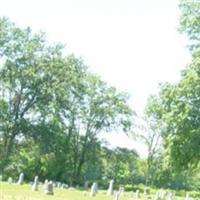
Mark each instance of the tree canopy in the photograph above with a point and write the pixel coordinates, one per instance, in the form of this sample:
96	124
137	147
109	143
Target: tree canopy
51	102
176	107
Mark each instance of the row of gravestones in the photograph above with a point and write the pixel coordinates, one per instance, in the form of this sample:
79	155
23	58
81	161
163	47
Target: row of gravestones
110	190
20	180
160	195
49	185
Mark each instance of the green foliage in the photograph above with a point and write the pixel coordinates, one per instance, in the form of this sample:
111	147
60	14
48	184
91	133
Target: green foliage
132	187
182	193
175	110
189	21
121	165
52	110
176	107
194	194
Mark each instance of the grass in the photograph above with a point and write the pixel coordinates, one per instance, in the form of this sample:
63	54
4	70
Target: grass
23	192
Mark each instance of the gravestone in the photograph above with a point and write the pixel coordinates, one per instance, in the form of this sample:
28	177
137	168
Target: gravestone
93	189
170	196
54	184
187	197
71	188
110	189
59	184
21	179
45	183
64	186
86	185
116	195
49	188
10	180
96	186
145	191
121	191
157	196
137	194
35	184
163	194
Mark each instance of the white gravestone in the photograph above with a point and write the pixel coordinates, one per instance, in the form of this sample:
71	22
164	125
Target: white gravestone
35	184
110	189
121	191
59	184
21	179
157	196
163	194
187	197
137	194
93	189
145	191
86	185
49	188
10	180
170	196
45	183
116	195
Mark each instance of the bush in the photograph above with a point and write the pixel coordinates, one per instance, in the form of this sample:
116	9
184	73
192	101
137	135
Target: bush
194	194
134	188
182	193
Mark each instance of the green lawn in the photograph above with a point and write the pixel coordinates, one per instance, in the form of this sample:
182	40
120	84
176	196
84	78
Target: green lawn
18	192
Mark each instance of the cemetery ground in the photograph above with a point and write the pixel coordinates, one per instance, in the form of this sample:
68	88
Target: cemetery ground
24	192
15	191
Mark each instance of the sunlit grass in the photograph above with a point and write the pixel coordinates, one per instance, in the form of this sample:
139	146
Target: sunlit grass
24	192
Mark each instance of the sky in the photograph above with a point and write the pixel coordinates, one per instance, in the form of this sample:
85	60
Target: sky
132	44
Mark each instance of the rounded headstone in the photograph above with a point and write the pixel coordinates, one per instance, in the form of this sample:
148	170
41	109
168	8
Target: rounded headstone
49	188
10	180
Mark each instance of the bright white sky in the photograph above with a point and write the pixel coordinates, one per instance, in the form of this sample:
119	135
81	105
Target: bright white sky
132	44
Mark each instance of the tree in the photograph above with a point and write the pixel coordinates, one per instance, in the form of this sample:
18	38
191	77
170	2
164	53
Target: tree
189	21
120	164
54	102
96	107
176	106
149	134
26	81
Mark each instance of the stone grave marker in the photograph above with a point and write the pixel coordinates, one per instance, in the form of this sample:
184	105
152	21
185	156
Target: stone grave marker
137	194
10	180
35	184
21	179
116	195
93	189
157	196
170	196
49	188
145	191
110	189
121	191
86	185
187	197
59	184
